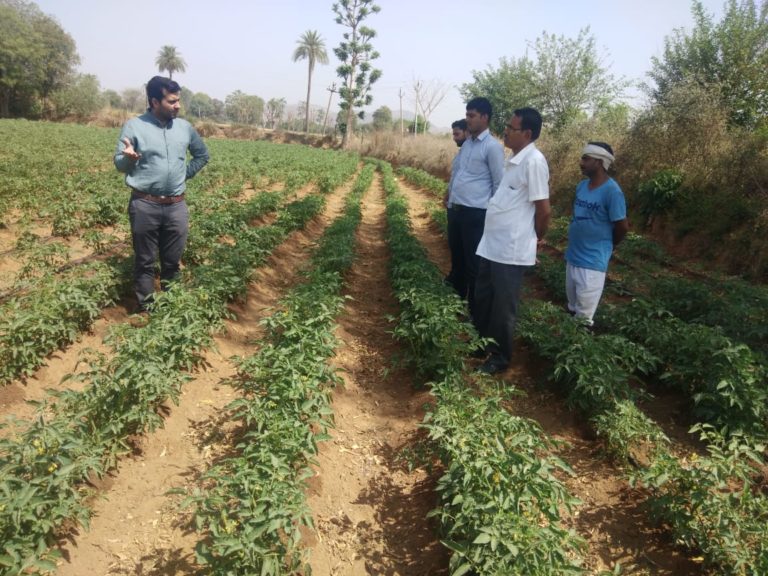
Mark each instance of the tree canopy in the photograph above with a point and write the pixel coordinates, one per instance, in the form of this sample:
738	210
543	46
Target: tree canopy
564	79
730	56
311	47
36	57
80	98
382	118
356	54
170	60
244	108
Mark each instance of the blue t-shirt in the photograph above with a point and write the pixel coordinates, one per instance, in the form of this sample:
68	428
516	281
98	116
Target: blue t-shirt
590	234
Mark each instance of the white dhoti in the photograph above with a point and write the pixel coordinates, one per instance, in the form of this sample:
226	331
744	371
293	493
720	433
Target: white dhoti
584	288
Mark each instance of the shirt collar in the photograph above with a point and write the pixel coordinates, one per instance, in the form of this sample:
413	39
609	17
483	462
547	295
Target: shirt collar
152	118
520	156
483	135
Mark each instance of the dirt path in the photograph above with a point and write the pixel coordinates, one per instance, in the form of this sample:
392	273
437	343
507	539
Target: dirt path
612	518
137	527
370	512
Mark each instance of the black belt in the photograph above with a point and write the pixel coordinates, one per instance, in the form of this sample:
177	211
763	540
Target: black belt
462	207
158	199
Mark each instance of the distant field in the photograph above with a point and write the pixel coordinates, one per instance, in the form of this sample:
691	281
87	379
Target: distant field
303	398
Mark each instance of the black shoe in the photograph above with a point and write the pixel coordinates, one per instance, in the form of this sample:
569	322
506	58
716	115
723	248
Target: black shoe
479	353
492	366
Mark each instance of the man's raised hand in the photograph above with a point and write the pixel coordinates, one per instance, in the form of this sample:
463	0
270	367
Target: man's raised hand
129	151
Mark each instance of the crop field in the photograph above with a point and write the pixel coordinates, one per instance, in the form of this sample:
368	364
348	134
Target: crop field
303	401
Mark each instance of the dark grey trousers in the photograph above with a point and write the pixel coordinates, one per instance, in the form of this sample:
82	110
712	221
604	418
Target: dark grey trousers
465	228
497	296
156	228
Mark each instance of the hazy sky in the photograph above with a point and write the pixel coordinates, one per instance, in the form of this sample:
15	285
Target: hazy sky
244	45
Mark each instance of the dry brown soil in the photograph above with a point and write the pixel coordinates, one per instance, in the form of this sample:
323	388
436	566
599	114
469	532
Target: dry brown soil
369	509
612	517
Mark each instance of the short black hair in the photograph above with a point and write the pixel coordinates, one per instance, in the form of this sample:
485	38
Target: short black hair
157	84
530	119
603	145
460	124
482	105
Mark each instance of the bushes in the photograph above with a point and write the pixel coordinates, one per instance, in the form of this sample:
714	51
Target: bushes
658	194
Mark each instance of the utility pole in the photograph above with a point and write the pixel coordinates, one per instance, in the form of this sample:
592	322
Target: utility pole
332	90
417	90
400	94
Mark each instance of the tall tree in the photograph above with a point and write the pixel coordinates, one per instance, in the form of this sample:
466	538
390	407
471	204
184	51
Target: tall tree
382	119
730	56
244	108
80	98
565	79
572	78
134	99
428	96
170	59
36	57
356	54
311	47
274	112
201	105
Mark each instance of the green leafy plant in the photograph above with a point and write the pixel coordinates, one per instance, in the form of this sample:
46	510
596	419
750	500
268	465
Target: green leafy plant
658	194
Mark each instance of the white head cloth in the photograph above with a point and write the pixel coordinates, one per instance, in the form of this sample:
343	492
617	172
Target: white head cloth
594	151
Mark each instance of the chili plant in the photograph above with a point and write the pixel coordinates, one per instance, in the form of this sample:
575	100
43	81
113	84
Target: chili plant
252	505
500	502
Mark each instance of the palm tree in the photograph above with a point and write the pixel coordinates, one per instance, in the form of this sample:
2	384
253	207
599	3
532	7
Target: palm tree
312	47
169	59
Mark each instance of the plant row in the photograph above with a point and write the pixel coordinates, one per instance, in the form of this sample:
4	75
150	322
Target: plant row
45	464
641	267
435	186
500	498
54	310
725	381
715	504
58	308
251	504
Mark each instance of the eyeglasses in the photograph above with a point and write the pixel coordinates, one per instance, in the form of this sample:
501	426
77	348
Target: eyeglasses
513	129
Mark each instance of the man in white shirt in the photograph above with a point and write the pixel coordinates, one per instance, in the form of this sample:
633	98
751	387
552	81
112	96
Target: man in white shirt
517	217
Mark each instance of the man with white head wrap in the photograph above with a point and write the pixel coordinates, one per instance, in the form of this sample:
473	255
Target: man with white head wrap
598	224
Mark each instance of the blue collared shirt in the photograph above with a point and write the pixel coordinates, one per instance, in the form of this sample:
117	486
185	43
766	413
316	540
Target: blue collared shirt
477	171
162	168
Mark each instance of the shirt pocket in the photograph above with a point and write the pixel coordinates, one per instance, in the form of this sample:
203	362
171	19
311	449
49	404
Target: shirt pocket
505	198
